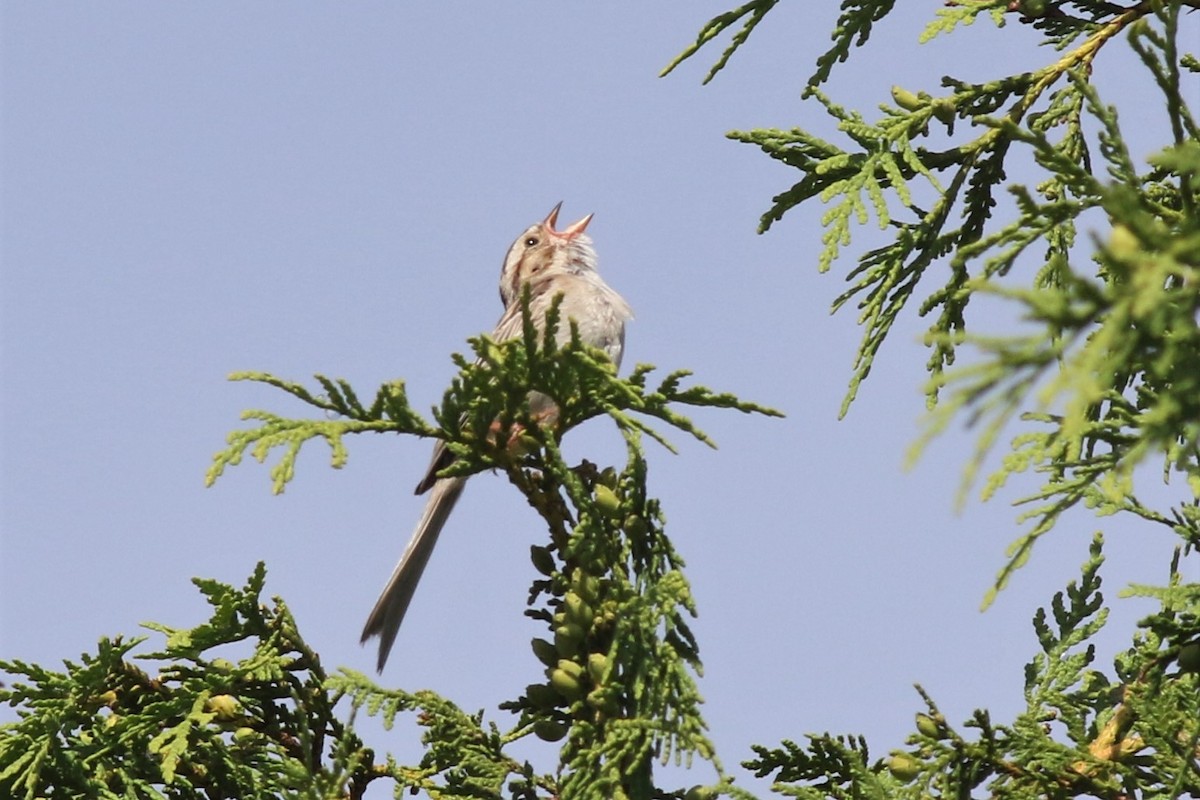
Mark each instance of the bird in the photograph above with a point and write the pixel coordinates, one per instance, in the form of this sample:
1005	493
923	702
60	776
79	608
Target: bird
550	263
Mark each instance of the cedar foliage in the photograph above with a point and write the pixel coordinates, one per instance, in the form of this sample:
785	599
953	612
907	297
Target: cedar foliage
1102	263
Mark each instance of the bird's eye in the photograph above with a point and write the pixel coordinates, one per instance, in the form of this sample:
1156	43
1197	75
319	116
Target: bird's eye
531	241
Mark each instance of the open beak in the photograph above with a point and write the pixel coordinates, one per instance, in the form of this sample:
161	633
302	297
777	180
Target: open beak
572	230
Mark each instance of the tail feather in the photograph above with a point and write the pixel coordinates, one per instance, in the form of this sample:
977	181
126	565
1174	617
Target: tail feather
392	604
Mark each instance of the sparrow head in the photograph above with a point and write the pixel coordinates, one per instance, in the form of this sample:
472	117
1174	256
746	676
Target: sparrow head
541	252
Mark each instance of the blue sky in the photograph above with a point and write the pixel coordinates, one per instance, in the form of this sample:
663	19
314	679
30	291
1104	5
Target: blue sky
194	189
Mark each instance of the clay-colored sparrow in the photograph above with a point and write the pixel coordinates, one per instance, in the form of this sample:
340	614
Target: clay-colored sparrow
550	263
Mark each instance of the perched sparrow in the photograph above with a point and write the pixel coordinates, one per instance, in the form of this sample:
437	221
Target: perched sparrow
550	263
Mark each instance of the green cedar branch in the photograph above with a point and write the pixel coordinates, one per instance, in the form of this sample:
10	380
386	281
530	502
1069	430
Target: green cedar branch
486	404
874	176
1109	377
1084	731
754	11
235	707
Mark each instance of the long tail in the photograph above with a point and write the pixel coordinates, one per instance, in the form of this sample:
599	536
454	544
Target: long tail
391	606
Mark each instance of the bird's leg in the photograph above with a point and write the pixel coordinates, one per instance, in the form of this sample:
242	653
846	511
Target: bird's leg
546	417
